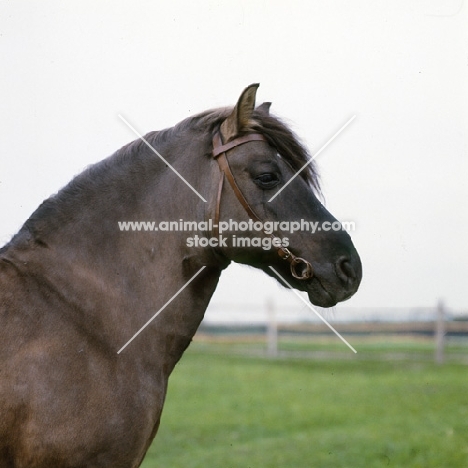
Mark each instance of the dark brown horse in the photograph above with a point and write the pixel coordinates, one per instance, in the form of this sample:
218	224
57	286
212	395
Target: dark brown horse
74	287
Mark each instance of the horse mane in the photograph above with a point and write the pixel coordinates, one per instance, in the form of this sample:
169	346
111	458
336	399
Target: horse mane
135	158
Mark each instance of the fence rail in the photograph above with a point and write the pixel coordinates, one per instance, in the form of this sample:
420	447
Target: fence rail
426	339
452	329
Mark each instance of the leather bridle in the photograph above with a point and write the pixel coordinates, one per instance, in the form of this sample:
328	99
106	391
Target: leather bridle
300	268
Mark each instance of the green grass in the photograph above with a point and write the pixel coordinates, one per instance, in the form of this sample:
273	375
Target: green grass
236	411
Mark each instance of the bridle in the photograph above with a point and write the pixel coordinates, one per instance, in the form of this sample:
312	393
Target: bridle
300	268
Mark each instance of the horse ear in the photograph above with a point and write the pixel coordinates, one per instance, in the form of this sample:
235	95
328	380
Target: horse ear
264	108
240	118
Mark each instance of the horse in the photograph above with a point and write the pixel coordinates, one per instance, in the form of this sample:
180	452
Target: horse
75	286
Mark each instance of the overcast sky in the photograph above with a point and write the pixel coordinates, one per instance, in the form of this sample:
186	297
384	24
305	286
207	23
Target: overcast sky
399	171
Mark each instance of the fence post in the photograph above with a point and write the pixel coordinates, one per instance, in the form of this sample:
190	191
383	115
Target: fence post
440	333
272	329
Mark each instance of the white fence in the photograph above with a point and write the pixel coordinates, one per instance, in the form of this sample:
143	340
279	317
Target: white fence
272	321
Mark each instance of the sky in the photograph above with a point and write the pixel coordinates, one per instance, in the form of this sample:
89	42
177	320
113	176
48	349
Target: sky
399	171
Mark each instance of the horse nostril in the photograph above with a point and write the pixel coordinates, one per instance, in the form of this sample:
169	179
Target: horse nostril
344	270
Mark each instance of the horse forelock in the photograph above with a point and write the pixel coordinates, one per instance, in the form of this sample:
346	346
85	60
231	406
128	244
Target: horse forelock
277	133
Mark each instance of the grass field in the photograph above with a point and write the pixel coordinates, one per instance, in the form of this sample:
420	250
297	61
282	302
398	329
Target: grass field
232	411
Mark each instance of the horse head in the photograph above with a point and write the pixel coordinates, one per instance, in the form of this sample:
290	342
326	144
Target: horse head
269	212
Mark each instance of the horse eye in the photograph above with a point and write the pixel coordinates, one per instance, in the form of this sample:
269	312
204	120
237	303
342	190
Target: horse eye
267	180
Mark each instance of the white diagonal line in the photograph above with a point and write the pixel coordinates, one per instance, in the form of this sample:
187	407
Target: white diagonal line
160	310
311	308
312	158
158	154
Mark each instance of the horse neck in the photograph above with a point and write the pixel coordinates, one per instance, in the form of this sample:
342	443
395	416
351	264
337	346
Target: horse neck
114	281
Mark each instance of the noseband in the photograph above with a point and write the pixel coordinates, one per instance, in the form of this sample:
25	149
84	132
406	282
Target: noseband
300	268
